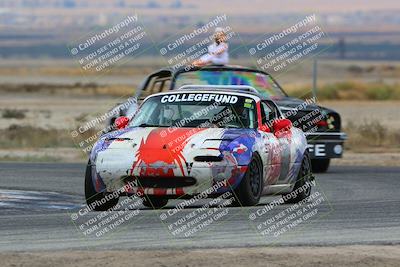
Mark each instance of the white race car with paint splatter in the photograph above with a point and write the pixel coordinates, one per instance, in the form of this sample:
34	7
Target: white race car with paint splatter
200	139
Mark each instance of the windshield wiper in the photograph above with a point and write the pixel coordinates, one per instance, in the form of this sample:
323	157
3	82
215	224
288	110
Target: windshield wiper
232	126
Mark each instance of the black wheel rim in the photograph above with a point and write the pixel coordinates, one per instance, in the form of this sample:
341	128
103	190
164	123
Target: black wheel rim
255	179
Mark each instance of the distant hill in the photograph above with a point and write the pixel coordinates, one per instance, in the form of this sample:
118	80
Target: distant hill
47	27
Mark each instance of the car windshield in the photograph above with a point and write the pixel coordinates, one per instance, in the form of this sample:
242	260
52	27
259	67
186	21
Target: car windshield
264	84
202	110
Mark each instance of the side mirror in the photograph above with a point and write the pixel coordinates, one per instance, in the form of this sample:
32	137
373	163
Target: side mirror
281	126
121	122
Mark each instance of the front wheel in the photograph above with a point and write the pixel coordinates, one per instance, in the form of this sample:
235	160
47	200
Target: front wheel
320	165
97	201
302	188
248	192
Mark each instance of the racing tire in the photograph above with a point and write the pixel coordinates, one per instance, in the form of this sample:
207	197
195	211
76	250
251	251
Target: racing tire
154	202
320	165
98	198
304	176
248	192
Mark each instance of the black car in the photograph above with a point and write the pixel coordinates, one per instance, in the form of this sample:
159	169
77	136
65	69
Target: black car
321	125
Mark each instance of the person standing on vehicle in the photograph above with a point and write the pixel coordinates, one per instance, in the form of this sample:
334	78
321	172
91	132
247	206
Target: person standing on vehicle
217	51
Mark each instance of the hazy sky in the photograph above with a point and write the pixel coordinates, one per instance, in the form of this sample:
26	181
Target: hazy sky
259	6
253	6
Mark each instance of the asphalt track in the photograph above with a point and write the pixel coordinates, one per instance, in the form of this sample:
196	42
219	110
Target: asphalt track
360	205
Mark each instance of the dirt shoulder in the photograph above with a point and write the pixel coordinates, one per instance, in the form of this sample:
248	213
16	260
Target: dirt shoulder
368	159
265	256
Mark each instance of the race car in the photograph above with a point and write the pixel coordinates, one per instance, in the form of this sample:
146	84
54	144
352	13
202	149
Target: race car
321	125
197	139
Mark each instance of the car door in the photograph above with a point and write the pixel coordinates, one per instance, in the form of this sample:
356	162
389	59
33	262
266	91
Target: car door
271	146
278	145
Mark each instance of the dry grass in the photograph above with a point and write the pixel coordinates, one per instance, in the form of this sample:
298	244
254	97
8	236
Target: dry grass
27	137
366	136
28	158
66	70
14	114
351	90
30	137
348	90
371	136
91	89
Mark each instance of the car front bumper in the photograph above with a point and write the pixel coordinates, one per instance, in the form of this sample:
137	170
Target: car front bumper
326	145
150	180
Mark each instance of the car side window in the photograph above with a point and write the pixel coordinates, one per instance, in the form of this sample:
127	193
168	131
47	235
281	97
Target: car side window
269	112
265	113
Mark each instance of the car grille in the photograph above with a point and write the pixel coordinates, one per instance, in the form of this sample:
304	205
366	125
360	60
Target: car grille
161	181
208	158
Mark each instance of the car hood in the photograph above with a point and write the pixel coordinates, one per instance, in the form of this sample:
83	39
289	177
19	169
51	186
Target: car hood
168	145
296	103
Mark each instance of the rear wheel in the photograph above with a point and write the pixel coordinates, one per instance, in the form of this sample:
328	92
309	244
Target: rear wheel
320	165
154	202
304	177
99	201
248	192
